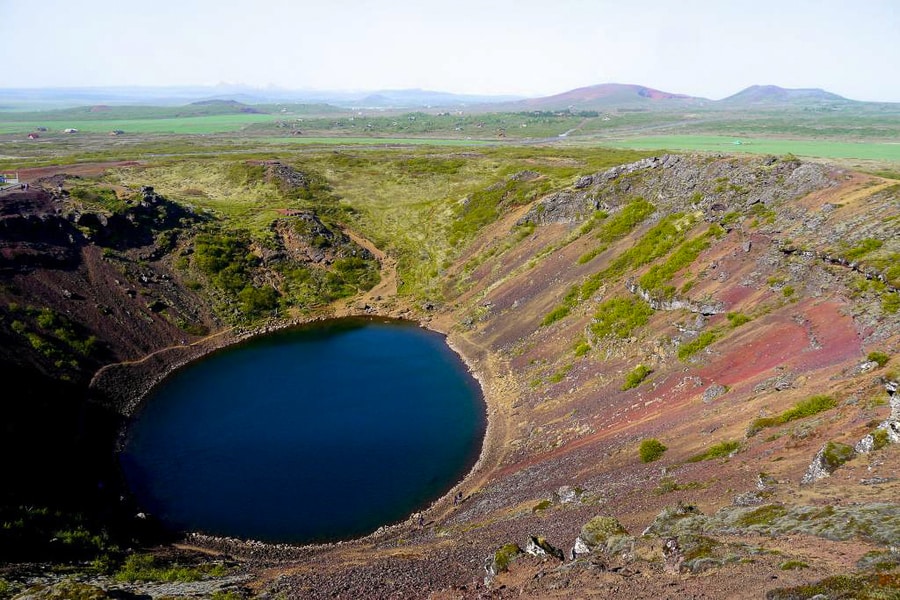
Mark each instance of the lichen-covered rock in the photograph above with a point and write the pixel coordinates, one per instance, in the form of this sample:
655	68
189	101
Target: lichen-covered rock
713	392
598	530
499	561
827	460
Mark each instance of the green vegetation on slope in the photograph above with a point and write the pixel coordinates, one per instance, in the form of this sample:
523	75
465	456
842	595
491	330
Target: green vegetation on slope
806	408
619	317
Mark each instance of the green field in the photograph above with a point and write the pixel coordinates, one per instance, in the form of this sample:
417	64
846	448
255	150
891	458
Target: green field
375	141
185	125
807	148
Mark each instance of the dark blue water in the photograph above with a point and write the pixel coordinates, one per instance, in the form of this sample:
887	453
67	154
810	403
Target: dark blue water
317	434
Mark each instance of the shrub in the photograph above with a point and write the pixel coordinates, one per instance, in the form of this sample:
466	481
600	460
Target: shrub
651	450
806	408
691	348
878	357
880	439
736	319
619	317
143	567
636	377
720	450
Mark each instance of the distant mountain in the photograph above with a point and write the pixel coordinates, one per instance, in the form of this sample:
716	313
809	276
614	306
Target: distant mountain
756	95
56	98
605	96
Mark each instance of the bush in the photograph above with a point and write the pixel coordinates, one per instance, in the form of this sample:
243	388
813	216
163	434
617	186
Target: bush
691	348
636	377
721	450
619	317
878	357
806	408
736	319
651	450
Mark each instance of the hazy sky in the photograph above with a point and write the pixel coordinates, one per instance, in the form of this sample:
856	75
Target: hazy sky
710	48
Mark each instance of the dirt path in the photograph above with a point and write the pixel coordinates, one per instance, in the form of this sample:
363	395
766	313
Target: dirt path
147	357
385	290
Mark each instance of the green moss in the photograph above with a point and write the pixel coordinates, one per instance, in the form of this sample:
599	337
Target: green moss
598	530
504	556
764	515
651	450
793	565
697	546
835	454
667	485
806	408
880	439
623	222
636	377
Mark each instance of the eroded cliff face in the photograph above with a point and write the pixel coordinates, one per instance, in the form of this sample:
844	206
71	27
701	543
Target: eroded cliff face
728	308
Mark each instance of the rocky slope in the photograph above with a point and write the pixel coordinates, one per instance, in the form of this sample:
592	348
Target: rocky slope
741	312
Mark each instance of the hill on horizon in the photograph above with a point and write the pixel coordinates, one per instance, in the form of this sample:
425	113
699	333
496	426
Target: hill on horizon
773	94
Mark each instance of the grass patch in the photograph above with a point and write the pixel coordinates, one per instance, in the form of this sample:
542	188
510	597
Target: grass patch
657	242
569	301
636	377
655	281
560	374
806	408
720	450
581	348
144	567
667	485
861	248
736	319
697	344
619	317
651	450
759	145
